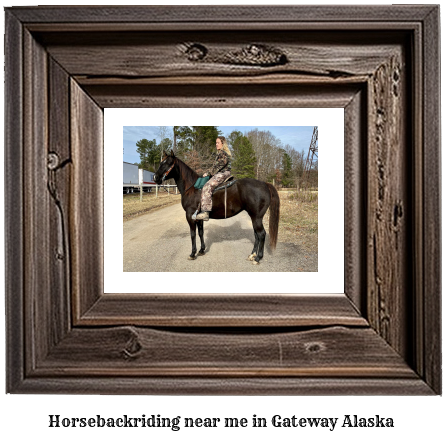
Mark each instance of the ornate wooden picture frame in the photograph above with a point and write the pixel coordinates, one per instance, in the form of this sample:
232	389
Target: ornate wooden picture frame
64	65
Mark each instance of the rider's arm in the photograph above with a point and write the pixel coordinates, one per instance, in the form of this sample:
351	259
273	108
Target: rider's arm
220	163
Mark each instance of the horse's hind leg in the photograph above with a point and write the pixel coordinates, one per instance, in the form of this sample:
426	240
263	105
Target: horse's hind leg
255	249
257	223
201	235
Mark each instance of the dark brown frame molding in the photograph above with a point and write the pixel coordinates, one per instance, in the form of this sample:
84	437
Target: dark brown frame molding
64	65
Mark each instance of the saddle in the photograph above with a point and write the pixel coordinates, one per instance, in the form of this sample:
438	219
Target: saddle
228	182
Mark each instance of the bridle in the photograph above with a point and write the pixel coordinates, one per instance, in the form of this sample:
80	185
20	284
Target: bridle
167	172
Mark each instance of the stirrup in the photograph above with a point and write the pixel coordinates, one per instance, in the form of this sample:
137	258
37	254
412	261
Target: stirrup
203	216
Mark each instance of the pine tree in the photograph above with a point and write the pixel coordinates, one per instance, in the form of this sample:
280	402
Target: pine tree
232	138
287	176
142	149
195	145
204	139
184	140
243	163
149	152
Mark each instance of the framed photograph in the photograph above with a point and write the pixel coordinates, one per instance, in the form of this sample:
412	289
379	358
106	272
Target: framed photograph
153	234
377	331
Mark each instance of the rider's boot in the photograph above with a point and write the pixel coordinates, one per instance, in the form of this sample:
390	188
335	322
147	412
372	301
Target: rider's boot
203	216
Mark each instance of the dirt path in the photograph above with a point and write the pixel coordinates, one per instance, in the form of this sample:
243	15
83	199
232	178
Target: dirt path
160	242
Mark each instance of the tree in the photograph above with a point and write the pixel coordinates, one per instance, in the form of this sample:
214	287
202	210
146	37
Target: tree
175	133
165	145
142	150
194	161
163	132
232	138
150	153
195	145
312	176
287	170
266	147
183	141
205	137
243	163
154	154
277	177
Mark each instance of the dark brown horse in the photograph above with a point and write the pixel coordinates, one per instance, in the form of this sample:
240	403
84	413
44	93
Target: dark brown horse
247	194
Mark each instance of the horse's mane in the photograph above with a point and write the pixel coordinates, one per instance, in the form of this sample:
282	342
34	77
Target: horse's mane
186	172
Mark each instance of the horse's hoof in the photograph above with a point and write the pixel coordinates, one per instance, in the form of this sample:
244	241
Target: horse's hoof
192	257
251	257
201	253
255	263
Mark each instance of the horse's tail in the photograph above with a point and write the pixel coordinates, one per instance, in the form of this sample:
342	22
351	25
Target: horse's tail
274	215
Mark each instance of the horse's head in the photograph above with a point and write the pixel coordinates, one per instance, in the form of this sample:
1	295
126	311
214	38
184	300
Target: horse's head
165	167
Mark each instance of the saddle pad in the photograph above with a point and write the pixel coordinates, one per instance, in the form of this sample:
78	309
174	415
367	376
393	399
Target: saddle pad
201	182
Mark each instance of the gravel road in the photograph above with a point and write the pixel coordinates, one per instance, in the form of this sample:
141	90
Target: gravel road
160	242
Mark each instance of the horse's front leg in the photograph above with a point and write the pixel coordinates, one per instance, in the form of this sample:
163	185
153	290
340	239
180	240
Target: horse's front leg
201	235
194	246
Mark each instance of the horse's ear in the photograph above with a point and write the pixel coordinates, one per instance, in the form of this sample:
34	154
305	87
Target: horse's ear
172	154
165	155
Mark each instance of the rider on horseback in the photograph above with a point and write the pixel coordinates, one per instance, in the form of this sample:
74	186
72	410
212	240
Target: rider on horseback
220	170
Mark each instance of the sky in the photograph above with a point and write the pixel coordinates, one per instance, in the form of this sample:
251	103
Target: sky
298	137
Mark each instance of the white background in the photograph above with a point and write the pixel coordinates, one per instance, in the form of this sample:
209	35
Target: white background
330	122
28	414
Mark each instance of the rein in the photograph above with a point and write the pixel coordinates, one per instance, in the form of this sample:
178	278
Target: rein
176	194
164	177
